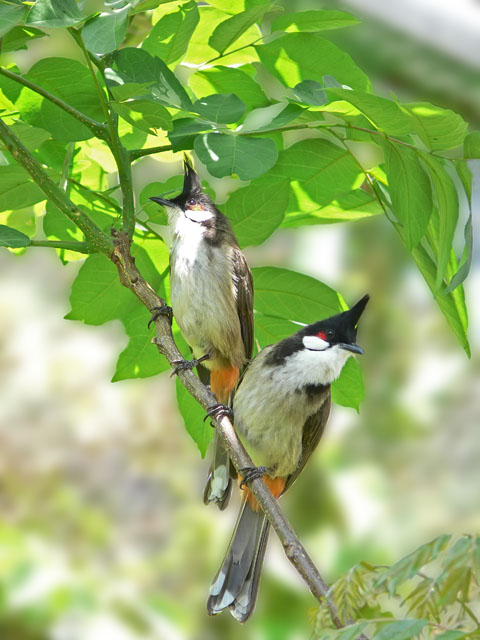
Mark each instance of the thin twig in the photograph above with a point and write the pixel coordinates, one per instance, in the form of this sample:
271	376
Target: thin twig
139	153
97	128
131	278
81	247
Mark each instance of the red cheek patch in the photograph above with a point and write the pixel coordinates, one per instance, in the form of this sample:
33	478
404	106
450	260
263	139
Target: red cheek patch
322	336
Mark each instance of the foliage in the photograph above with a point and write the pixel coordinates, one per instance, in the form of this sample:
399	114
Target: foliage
434	592
85	122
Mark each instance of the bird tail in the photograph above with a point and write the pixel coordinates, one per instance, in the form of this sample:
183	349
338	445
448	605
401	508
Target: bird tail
219	482
236	583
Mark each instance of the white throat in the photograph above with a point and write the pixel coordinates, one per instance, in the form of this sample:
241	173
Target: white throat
307	366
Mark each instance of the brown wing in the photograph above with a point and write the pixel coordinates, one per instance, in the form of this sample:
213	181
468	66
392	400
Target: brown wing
244	299
312	432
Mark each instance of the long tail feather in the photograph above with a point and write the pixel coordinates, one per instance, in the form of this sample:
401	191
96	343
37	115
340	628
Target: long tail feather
219	482
236	583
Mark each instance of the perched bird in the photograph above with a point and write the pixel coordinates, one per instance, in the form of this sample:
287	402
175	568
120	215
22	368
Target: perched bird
281	407
212	301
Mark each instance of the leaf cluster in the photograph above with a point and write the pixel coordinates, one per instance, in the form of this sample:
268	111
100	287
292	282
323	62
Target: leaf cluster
433	592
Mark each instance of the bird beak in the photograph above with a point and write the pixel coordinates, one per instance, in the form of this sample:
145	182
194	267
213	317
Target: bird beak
163	201
354	348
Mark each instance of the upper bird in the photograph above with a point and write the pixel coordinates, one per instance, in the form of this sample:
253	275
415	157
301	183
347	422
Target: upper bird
212	301
281	407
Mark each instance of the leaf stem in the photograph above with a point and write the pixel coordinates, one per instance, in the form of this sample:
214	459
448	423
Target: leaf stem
227	53
97	240
97	128
139	153
120	154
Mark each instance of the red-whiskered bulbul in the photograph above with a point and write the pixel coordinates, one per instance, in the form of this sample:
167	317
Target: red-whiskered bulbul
212	301
281	407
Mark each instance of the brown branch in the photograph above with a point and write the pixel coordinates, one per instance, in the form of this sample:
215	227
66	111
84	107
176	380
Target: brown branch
131	278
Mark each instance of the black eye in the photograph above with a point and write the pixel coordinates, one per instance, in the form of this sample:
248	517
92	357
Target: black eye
191	201
330	333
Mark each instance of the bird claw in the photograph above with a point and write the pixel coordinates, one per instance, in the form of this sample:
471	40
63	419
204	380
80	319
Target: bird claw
164	310
251	473
219	411
184	365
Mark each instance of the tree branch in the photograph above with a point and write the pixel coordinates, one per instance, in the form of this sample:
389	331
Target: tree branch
131	278
97	128
120	154
97	240
81	247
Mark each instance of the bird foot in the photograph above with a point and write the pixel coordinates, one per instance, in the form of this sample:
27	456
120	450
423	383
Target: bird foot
219	411
251	473
185	365
164	310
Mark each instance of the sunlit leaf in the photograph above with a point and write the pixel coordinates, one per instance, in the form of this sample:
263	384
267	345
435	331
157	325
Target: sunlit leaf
313	21
438	128
54	13
106	31
221	108
228	80
18	37
228	31
349	390
226	155
147	116
17	189
170	36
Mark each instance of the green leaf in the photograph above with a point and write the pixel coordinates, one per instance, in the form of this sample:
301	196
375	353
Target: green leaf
192	413
272	117
17	189
12	238
411	564
256	210
129	90
228	32
18	37
384	114
10	15
106	31
225	155
293	296
57	226
452	635
137	65
349	390
471	145
155	213
228	80
185	130
145	115
200	51
221	108
170	36
69	80
466	260
54	13
401	630
452	305
323	170
410	191
447	207
438	128
310	92
306	56
140	359
354	205
270	329
313	21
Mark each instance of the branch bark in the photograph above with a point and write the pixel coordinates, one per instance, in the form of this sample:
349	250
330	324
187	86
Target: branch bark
131	278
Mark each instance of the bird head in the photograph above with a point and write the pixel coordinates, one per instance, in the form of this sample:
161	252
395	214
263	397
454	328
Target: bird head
192	203
339	331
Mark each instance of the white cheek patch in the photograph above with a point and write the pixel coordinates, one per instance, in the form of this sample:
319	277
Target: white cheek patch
198	215
314	343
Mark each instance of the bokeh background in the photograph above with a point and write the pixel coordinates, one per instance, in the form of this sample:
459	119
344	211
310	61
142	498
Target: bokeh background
103	533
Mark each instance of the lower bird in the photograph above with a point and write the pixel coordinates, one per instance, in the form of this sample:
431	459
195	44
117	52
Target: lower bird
281	407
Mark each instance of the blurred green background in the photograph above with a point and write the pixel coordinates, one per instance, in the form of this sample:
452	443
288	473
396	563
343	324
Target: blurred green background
103	533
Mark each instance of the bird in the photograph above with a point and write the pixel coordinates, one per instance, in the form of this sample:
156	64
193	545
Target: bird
211	292
281	407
